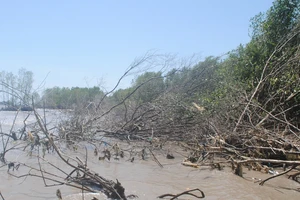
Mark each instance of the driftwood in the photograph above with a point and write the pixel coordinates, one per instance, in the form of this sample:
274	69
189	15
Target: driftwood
251	160
84	179
252	150
190	164
280	174
188	192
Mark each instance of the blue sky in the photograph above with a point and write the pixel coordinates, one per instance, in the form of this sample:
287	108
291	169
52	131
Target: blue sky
85	43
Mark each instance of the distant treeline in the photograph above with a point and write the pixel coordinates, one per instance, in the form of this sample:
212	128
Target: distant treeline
69	98
264	71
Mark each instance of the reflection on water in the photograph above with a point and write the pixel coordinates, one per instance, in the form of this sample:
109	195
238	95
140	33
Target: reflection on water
142	178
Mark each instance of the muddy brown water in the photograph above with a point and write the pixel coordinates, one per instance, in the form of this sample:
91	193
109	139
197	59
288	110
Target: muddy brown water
142	178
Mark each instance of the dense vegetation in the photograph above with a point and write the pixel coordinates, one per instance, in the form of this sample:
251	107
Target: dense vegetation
255	86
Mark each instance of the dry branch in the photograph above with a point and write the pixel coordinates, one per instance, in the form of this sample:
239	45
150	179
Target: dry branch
280	174
188	192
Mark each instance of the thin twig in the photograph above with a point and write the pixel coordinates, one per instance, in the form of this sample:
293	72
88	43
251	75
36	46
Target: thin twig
1	196
155	159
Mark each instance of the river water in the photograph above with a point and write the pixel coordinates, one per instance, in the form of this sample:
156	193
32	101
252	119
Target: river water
143	178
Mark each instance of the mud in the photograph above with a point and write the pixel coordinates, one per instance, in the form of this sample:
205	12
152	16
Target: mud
143	178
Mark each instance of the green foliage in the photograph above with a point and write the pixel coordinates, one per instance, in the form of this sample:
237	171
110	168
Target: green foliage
246	63
121	94
276	23
270	61
151	85
69	98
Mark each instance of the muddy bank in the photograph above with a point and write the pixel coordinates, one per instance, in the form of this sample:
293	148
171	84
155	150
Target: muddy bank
146	179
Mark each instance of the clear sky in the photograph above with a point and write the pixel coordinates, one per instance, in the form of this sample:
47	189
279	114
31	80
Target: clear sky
84	43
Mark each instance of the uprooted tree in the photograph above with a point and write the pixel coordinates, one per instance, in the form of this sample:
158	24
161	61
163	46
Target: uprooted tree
246	104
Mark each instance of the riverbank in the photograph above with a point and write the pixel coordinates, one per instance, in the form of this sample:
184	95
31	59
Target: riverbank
144	169
145	178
